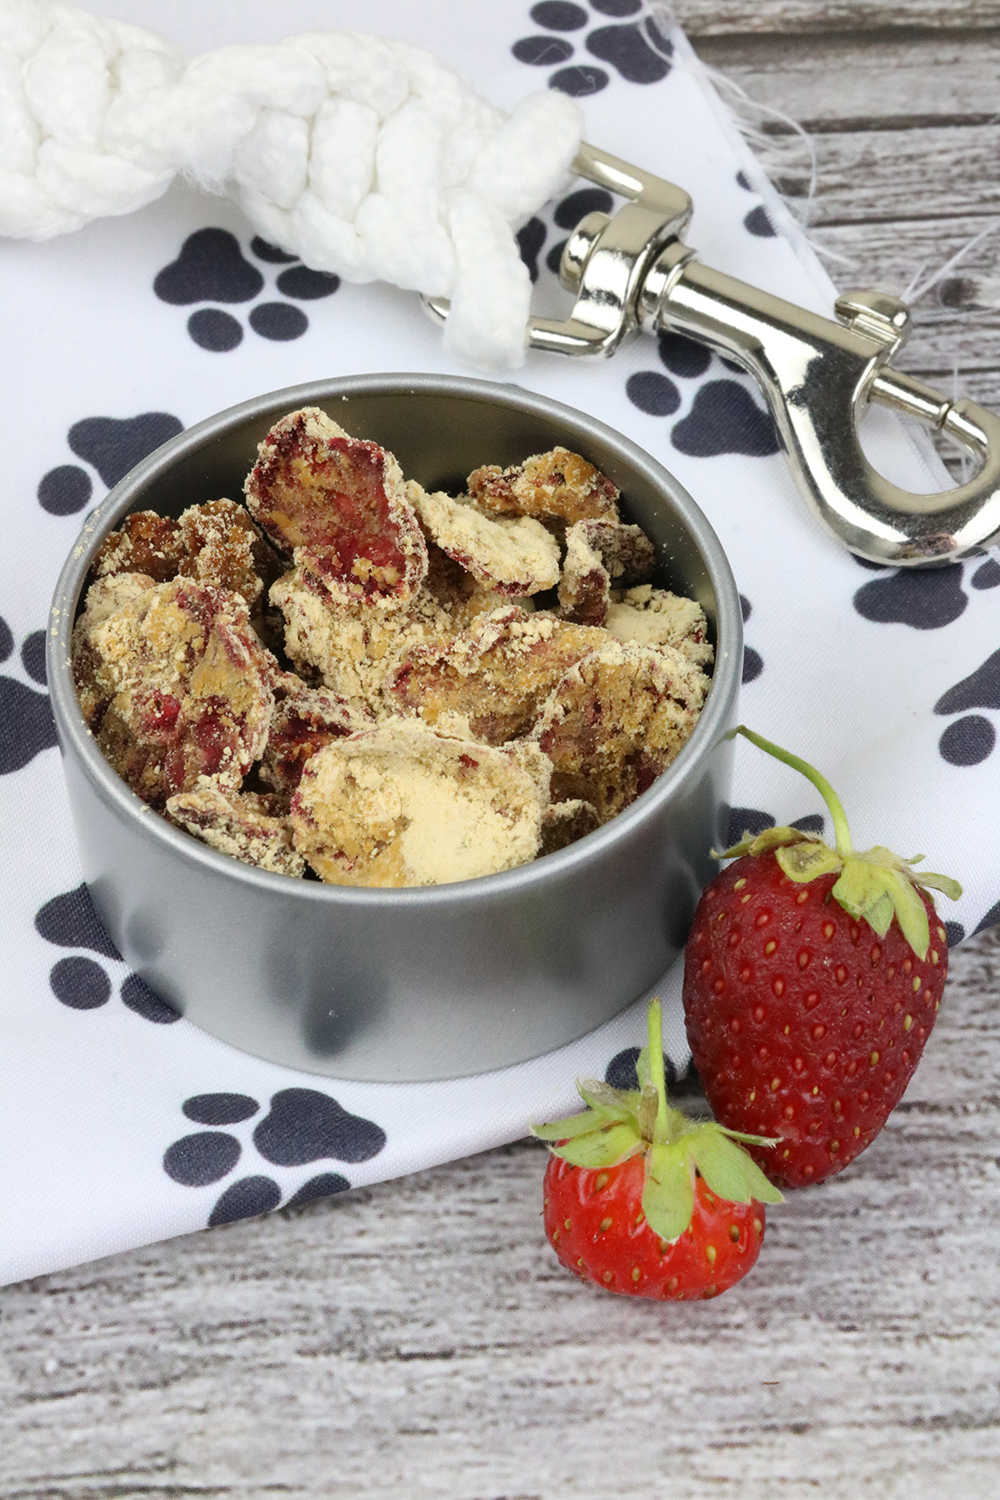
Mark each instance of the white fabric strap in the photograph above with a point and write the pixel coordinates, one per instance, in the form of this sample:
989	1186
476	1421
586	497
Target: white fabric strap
364	157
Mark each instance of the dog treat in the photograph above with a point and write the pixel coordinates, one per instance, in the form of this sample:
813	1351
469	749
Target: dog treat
403	806
338	505
458	594
304	719
597	553
554	486
497	674
454	685
177	686
242	824
216	543
655	617
145	543
615	721
349	645
512	555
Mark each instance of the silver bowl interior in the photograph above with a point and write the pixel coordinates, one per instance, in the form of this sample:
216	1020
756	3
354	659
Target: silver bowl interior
408	984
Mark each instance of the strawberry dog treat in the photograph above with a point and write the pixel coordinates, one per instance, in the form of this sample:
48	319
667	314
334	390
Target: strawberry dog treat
497	674
414	724
177	686
598	552
402	806
245	825
558	486
338	505
513	555
615	721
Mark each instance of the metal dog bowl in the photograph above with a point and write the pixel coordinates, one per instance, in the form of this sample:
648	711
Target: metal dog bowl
438	982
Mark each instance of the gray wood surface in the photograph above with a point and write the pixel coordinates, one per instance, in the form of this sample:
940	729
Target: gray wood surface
419	1337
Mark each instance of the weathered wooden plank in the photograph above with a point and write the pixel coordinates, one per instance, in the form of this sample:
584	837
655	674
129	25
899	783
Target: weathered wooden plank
422	1328
702	18
877	176
827	83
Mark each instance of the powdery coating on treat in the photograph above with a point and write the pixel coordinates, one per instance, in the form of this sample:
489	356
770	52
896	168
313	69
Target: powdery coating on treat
657	618
598	553
338	504
304	720
215	543
458	593
513	555
227	551
557	486
402	806
616	721
104	598
144	543
497	673
176	686
240	824
350	646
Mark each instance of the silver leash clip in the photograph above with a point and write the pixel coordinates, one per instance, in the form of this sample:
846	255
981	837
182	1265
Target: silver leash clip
631	271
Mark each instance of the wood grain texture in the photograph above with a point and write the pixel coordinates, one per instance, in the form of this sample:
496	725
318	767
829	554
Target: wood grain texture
837	83
419	1337
710	18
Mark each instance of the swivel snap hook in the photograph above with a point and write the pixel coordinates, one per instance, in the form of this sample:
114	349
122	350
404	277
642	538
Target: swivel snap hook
632	271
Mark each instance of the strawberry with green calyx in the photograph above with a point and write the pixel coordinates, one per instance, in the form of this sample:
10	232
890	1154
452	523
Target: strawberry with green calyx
640	1200
812	976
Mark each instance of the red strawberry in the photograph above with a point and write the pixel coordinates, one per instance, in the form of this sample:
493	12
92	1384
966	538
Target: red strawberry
640	1200
812	977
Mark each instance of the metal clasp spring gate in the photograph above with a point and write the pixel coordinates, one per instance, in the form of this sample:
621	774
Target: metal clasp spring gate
632	271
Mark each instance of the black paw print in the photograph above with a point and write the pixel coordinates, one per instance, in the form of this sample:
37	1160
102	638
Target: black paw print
970	739
26	723
756	222
637	49
924	598
723	418
112	446
302	1126
70	921
211	267
753	662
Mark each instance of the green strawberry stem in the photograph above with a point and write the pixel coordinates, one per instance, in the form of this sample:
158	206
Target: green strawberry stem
657	1072
619	1124
841	831
873	887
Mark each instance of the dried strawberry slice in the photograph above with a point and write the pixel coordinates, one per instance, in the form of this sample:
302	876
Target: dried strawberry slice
496	674
215	543
245	825
402	806
339	505
513	555
145	543
615	721
183	688
304	720
658	618
554	486
225	549
599	553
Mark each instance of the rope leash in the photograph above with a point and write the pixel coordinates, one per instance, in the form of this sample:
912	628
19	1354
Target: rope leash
364	157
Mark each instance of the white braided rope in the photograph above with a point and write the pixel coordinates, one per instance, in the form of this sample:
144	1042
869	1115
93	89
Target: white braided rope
364	157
